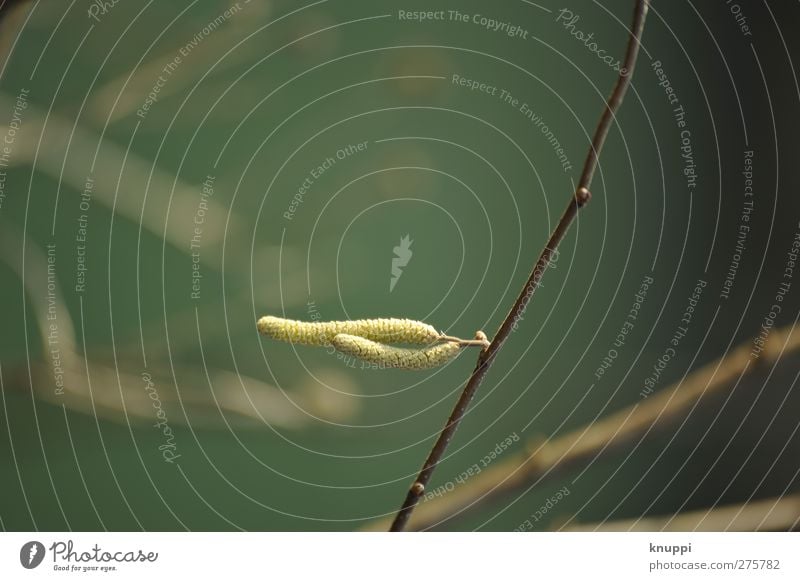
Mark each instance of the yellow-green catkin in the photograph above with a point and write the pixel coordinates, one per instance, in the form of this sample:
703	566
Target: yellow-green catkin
399	357
322	333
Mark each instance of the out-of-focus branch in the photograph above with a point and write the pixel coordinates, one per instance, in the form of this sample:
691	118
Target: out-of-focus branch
12	16
611	434
66	153
770	514
119	97
218	399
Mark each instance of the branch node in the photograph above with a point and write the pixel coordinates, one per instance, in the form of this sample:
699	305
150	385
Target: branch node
418	488
583	196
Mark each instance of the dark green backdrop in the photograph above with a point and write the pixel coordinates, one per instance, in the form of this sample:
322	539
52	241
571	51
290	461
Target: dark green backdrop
260	98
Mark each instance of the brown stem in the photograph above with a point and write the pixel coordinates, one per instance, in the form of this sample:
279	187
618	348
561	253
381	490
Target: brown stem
581	196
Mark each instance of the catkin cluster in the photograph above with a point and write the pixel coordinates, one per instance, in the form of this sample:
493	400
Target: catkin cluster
368	339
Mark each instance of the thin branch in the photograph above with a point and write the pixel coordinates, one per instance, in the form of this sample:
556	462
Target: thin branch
581	196
610	435
771	514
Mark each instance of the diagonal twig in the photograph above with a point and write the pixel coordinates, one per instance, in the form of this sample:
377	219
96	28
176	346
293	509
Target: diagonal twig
578	200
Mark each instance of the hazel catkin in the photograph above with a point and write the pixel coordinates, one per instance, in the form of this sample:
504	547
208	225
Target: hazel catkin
322	333
399	357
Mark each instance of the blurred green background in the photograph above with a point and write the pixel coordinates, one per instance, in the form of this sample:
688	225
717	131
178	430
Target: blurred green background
269	436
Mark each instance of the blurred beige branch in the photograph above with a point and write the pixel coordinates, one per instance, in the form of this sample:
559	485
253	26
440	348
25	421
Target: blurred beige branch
66	153
119	394
231	400
771	514
12	17
611	434
119	97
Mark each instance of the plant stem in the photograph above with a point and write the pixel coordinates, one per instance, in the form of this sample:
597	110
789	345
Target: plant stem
578	200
